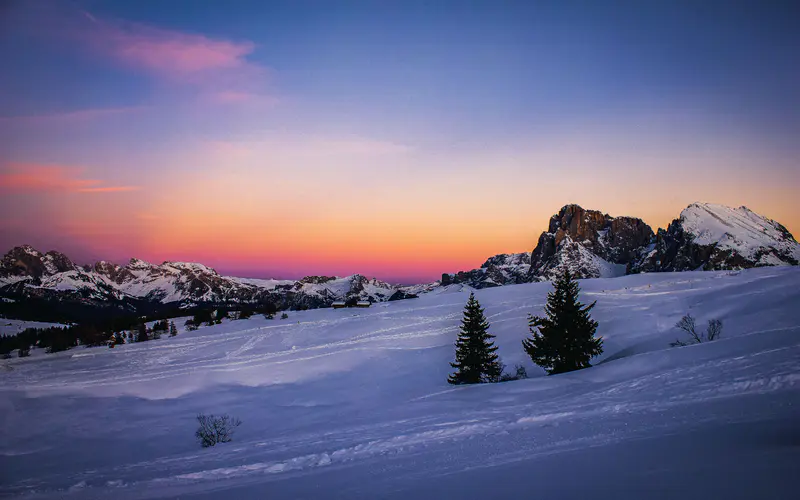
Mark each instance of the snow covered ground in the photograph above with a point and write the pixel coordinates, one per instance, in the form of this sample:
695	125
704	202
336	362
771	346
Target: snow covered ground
354	404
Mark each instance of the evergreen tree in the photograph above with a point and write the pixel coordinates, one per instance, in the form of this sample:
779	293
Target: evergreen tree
564	339
173	330
476	361
141	335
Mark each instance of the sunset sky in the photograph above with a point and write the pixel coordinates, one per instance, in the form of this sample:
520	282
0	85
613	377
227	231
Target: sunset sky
399	139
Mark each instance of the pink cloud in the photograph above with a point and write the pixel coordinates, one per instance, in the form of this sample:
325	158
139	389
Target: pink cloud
234	97
218	66
26	178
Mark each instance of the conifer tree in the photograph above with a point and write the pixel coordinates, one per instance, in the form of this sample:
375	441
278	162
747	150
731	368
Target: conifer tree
141	335
564	339
173	330
476	360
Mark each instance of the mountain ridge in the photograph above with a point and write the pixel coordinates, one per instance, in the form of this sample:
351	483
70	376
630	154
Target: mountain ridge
590	243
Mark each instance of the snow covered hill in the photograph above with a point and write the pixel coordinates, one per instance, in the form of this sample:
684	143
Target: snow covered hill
354	403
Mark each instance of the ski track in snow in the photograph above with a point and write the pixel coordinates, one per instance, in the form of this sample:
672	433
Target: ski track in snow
346	390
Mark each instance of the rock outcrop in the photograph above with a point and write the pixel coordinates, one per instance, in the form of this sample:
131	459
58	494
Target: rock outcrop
589	243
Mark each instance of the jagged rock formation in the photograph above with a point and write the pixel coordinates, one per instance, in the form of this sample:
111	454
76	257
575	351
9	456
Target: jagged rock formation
714	237
590	243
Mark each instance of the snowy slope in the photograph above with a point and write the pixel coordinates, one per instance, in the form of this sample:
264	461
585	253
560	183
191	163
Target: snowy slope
712	237
354	403
580	261
14	326
739	229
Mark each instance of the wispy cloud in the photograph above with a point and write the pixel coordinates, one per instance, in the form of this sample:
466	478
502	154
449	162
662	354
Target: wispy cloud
303	147
28	178
218	67
72	117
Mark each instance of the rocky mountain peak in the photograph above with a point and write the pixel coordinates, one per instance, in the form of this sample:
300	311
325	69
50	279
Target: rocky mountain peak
139	264
23	261
113	272
604	243
57	262
711	236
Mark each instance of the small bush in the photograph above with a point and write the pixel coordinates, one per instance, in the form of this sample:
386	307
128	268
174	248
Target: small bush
714	330
215	429
24	352
689	325
519	373
284	316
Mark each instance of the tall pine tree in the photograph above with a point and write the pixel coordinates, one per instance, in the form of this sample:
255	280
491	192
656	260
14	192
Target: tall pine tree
563	340
476	361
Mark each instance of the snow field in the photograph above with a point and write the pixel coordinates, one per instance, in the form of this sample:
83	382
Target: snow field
354	403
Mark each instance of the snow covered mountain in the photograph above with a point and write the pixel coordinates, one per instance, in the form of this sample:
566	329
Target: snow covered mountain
27	273
711	237
590	243
596	245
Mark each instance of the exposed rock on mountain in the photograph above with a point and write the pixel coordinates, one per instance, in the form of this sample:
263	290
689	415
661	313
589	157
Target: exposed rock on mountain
710	237
503	269
591	244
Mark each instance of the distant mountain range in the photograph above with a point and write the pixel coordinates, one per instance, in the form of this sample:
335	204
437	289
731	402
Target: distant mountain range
589	243
596	245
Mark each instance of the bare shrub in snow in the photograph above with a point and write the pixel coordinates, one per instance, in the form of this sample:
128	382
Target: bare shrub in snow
519	373
714	329
215	429
689	325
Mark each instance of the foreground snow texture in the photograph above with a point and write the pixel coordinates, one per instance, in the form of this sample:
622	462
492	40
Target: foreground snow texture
354	403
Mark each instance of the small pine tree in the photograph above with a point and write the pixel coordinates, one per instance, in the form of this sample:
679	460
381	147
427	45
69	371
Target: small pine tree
564	339
173	330
476	360
141	335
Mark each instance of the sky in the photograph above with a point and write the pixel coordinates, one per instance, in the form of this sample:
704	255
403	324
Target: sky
398	140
